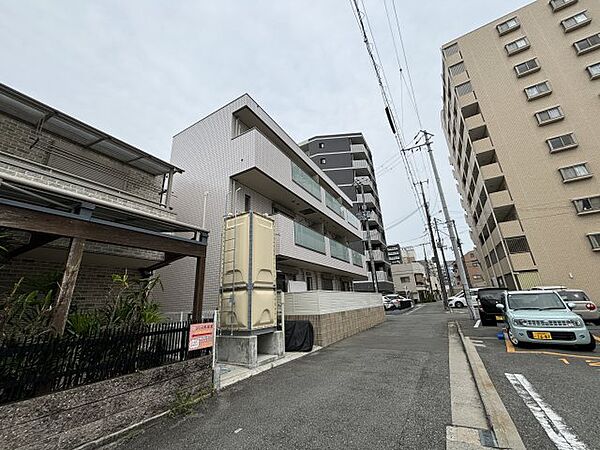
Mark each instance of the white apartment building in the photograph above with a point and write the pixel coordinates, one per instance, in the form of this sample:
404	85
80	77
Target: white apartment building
240	159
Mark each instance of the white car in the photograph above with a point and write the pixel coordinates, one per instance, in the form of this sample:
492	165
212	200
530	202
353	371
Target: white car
459	301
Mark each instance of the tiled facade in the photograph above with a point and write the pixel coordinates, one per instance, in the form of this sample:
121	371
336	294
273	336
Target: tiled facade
521	124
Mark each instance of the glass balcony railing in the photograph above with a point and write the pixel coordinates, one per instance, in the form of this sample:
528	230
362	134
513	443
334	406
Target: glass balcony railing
334	205
357	258
339	251
305	237
306	182
352	220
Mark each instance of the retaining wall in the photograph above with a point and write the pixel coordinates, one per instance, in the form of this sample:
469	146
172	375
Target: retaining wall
71	418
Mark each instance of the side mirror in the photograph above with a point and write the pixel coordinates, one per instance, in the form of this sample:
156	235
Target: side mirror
500	306
571	305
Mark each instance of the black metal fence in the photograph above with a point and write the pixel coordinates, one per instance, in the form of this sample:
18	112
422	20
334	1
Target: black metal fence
37	366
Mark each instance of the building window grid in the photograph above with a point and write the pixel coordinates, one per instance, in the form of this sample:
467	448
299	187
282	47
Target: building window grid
549	115
517	245
594	70
588	44
464	89
587	205
575	172
517	46
538	90
508	26
527	67
594	239
563	142
557	5
457	69
576	21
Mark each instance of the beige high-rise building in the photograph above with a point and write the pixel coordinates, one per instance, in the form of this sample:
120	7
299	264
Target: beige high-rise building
522	121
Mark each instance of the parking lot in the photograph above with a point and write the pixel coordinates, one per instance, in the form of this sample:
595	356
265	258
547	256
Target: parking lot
551	393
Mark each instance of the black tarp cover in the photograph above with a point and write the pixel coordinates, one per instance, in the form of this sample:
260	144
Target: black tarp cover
299	336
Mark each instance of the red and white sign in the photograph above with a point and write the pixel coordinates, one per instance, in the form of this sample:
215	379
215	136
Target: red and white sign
201	336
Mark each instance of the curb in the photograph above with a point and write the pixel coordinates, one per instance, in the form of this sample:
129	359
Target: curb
502	424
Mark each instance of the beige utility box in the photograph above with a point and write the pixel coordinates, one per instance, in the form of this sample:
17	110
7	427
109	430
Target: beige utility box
248	276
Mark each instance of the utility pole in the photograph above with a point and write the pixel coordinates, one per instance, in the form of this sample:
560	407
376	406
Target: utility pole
427	269
451	233
432	238
441	247
462	255
365	219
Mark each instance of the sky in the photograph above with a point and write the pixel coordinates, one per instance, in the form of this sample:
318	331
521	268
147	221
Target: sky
142	70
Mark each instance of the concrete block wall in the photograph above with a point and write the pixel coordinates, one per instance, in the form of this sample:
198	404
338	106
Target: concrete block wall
71	418
333	327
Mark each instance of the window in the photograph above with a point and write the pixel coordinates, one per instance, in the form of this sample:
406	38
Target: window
457	69
594	240
563	142
549	115
464	89
517	46
576	21
575	172
451	50
594	71
323	160
321	145
527	67
508	26
588	44
557	5
589	204
404	279
517	245
538	90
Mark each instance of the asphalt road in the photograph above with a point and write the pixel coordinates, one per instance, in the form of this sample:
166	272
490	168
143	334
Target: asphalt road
387	387
566	380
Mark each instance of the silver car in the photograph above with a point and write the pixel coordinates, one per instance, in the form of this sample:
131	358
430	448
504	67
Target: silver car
584	307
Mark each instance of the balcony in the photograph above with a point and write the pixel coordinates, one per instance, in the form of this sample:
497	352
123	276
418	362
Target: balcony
262	166
379	256
500	199
359	151
522	262
482	145
375	219
369	200
476	126
461	78
511	228
491	171
362	168
381	276
467	100
117	190
301	246
367	184
376	237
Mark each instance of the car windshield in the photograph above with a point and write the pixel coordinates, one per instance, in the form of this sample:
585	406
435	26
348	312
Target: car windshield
574	296
541	300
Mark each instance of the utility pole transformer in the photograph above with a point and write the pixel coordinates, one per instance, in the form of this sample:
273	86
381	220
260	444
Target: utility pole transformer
451	233
433	247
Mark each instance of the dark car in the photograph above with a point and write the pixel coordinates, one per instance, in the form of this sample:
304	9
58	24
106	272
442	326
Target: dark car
488	298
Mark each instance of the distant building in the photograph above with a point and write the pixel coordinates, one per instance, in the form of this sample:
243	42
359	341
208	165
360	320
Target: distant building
394	254
412	280
347	160
474	271
520	116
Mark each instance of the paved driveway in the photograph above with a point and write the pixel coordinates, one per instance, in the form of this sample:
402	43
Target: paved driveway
387	387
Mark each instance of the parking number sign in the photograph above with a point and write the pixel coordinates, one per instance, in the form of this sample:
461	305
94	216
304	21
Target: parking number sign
201	336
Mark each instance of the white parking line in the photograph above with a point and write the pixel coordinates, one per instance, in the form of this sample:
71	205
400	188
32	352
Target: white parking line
416	309
477	323
551	422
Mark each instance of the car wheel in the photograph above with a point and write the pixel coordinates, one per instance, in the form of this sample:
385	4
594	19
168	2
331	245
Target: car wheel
513	339
458	305
591	346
